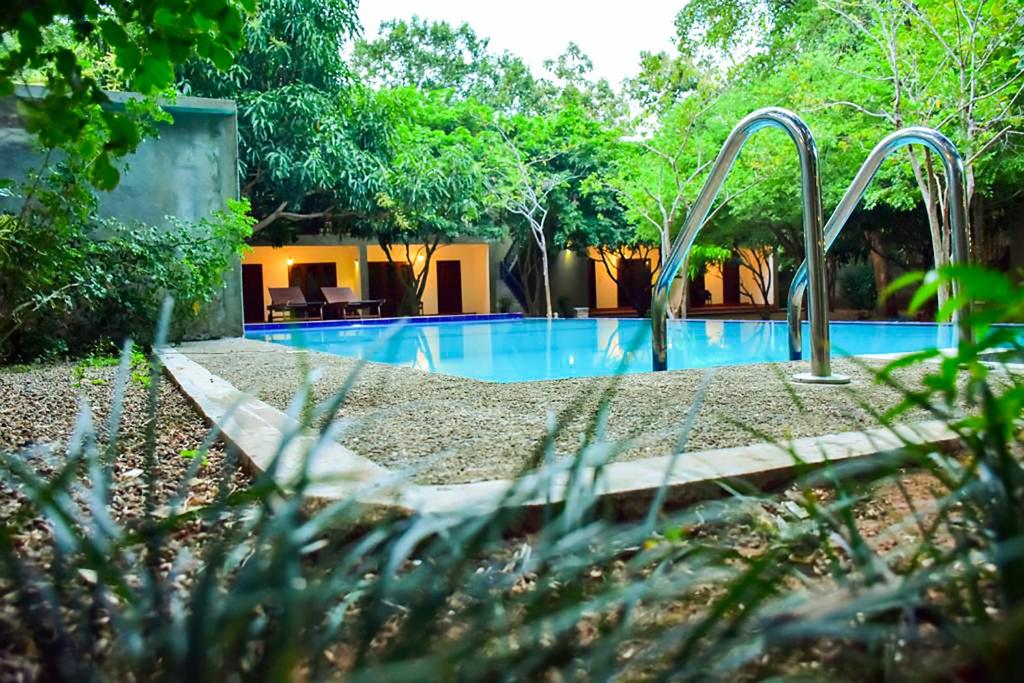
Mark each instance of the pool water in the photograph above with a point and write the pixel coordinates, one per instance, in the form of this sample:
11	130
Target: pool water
536	349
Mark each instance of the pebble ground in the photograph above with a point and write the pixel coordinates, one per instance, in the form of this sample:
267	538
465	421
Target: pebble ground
455	430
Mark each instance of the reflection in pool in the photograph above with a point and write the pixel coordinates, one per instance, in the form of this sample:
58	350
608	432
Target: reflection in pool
535	349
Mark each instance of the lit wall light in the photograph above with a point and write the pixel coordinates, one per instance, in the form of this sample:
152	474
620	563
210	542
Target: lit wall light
291	262
419	259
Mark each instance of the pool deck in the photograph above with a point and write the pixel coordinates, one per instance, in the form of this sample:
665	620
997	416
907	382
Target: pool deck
464	444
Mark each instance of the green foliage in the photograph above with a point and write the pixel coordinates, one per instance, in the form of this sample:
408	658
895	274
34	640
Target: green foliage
52	42
432	183
857	281
288	591
69	279
433	56
704	255
855	71
306	138
105	355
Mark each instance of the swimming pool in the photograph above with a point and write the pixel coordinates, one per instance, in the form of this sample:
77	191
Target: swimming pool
535	349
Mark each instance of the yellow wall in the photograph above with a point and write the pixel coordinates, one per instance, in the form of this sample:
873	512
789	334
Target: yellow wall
606	289
748	283
476	283
275	264
713	283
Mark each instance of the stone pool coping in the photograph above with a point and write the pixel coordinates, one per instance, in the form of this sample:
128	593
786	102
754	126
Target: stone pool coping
256	429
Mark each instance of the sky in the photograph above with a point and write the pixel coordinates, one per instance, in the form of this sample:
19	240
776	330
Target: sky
612	33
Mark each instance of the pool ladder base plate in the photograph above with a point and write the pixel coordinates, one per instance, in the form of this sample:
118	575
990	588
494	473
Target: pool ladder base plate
808	378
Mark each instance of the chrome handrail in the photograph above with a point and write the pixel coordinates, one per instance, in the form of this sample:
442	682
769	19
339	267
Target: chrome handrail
955	197
813	219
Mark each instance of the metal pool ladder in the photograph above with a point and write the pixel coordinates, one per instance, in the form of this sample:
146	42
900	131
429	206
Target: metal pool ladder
817	239
955	199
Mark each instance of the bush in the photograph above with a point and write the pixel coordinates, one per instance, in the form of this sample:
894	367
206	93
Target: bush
286	594
857	281
69	280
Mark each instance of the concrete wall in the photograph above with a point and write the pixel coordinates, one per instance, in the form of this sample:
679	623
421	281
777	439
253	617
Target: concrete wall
568	280
189	170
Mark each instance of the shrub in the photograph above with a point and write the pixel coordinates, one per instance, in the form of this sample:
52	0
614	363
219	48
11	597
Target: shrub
69	280
857	281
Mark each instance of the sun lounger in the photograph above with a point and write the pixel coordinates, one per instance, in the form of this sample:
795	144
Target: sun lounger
287	301
345	299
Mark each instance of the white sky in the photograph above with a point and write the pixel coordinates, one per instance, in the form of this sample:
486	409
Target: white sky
612	33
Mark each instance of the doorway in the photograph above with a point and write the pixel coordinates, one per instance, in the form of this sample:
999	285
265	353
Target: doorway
449	287
635	284
697	295
386	284
591	283
731	282
253	310
310	277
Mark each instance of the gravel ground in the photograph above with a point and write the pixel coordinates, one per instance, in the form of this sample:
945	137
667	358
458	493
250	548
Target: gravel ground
37	416
455	430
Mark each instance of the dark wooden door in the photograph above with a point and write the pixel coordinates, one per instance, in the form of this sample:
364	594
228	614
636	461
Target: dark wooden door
697	294
635	284
386	283
449	287
310	277
591	283
730	282
252	293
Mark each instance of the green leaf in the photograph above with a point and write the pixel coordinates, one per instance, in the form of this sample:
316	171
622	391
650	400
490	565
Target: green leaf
128	57
902	282
124	133
154	75
113	33
165	18
925	292
221	56
104	175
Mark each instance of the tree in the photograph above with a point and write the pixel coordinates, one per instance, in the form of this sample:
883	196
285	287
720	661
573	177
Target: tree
308	137
438	56
954	66
39	42
433	187
524	189
661	176
859	70
547	187
573	86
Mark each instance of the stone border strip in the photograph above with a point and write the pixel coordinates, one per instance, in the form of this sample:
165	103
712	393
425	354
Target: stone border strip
257	428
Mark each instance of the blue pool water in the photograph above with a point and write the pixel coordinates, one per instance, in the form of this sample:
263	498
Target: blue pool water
530	349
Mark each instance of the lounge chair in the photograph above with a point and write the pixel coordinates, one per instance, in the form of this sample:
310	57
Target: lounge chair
289	300
345	299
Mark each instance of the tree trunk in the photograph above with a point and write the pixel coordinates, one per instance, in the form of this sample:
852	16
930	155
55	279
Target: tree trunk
547	281
684	298
880	268
928	185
